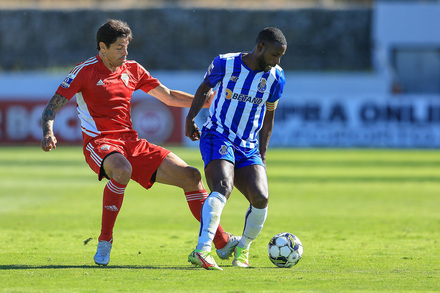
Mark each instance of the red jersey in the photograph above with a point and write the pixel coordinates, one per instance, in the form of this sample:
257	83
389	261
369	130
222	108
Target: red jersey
103	97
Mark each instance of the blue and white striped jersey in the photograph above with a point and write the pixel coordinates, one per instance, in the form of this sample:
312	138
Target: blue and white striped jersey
239	105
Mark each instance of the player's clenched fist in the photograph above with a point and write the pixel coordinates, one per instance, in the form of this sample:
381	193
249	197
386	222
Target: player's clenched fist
191	130
48	143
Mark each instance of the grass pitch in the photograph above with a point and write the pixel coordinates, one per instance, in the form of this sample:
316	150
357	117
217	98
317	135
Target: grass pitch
368	219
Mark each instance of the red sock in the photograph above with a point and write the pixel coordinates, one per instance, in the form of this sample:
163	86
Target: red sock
195	201
112	202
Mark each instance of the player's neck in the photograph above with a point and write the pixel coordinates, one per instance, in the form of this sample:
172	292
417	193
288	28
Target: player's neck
248	60
107	63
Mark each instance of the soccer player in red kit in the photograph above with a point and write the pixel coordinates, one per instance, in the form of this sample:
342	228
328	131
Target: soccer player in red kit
103	86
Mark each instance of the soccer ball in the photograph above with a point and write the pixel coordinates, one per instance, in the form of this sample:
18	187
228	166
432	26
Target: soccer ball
285	250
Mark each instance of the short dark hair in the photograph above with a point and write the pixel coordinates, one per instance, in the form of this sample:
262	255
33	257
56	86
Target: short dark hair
111	30
271	35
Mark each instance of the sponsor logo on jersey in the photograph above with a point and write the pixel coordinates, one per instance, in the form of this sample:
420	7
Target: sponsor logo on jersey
100	82
242	98
125	78
223	150
67	81
262	85
228	94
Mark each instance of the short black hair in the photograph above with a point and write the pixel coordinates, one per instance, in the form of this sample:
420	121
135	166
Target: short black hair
271	35
111	30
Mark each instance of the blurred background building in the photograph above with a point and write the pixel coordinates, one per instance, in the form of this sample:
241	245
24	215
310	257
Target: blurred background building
222	4
359	73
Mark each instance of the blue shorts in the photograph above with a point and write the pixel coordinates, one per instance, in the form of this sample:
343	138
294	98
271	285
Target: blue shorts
214	146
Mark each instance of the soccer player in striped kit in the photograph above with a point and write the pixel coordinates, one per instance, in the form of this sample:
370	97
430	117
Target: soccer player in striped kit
103	86
234	140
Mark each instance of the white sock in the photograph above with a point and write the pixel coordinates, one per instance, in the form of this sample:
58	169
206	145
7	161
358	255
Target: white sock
253	225
211	212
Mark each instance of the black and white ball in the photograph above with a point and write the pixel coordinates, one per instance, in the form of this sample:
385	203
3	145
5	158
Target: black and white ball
285	250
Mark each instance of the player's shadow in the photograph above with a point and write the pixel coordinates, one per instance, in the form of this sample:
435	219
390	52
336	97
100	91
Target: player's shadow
50	267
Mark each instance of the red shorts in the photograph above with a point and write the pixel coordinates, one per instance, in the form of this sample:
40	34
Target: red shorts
143	156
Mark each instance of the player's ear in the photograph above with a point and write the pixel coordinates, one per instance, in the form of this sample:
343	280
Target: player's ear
102	46
260	48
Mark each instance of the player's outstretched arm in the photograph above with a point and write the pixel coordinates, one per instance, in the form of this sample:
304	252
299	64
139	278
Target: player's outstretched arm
202	97
49	140
174	98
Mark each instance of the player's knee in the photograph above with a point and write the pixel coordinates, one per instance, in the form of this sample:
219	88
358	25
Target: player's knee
193	176
225	186
122	173
260	201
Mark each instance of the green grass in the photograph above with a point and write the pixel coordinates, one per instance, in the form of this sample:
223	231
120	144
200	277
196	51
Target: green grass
369	220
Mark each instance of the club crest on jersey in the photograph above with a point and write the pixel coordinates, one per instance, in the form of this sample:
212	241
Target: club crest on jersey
105	148
67	81
125	78
223	150
234	78
262	85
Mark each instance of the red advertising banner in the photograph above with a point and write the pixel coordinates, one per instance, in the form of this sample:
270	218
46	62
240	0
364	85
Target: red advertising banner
20	122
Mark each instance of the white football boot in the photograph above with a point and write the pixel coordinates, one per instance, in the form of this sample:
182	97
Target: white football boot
102	256
226	252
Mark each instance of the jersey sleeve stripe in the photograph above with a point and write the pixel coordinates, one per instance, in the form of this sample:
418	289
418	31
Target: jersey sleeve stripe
77	68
